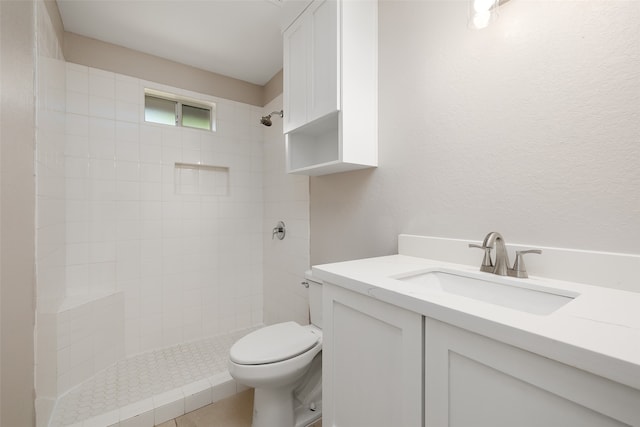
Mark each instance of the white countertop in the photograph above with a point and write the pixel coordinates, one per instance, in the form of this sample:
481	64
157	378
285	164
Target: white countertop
599	331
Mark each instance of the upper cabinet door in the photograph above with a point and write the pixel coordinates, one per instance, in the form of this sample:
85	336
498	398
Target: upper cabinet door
297	59
324	90
311	70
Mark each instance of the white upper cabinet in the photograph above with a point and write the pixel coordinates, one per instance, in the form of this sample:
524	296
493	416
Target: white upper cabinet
311	65
330	87
324	94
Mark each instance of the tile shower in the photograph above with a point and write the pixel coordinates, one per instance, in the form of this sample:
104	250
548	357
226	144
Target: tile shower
128	263
145	264
188	264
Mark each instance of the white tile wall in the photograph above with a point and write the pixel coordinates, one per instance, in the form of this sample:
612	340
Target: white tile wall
286	198
90	337
189	263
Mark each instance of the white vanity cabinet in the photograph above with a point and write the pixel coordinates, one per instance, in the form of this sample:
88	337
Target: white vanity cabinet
489	356
372	362
471	380
384	365
330	87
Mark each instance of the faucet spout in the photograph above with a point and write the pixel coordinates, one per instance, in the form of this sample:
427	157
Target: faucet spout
496	241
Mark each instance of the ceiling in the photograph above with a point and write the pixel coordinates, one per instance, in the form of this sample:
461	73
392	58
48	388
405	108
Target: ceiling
235	38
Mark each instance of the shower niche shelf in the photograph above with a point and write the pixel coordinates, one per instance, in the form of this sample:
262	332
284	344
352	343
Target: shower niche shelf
330	88
199	179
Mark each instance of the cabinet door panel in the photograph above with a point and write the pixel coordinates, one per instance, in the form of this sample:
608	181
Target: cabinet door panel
371	362
325	53
485	397
473	380
296	70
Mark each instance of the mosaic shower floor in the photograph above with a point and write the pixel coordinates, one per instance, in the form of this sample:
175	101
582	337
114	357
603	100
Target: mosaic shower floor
151	388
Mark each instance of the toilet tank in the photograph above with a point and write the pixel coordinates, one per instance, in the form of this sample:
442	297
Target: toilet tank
315	298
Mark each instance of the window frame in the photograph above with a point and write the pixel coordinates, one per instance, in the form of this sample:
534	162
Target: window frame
179	102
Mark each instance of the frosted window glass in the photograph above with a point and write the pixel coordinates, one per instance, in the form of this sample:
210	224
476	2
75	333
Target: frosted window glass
196	117
159	110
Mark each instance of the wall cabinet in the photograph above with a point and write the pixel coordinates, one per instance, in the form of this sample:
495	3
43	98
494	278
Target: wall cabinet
330	87
372	362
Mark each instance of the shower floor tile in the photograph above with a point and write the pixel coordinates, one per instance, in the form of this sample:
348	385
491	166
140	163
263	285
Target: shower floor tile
157	385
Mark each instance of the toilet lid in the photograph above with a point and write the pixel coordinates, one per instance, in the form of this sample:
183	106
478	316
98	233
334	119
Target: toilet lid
273	344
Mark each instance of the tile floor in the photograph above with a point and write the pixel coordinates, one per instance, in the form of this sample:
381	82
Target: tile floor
234	411
151	388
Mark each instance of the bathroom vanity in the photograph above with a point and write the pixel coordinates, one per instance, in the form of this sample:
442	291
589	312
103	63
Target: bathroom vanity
416	340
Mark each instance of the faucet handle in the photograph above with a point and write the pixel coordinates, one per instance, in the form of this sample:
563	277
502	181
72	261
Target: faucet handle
519	269
487	264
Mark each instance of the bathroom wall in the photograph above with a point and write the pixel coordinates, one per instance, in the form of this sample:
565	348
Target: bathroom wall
286	198
17	212
106	56
189	263
50	97
529	127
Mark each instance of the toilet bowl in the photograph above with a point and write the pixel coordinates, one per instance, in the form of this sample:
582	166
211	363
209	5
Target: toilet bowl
282	362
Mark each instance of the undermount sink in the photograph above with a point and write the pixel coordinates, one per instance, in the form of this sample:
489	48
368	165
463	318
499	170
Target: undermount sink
501	291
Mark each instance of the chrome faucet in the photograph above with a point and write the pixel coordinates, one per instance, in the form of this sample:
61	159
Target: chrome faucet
494	240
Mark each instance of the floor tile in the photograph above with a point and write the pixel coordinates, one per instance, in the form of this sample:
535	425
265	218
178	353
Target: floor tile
235	411
134	380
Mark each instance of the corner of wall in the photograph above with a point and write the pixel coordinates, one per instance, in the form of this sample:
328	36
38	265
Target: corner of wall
273	88
55	17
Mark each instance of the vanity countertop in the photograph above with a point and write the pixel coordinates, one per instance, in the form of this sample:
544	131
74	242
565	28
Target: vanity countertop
598	331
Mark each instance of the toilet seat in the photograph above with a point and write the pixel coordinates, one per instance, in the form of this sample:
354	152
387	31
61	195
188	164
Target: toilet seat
273	344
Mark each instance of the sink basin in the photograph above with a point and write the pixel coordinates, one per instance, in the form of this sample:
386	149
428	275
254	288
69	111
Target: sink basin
501	291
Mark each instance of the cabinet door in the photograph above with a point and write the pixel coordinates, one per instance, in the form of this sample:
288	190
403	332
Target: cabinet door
372	362
471	380
296	61
324	73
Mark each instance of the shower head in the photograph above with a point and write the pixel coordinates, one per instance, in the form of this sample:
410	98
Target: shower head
266	120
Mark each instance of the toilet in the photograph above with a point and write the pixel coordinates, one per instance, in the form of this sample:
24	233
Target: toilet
283	363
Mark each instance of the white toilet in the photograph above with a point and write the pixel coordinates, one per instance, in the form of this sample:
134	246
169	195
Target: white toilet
283	362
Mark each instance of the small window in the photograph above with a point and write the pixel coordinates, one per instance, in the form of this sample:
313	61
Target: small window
169	110
159	110
196	117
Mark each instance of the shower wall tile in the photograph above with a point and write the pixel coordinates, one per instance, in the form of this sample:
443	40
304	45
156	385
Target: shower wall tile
77	78
90	337
127	90
286	198
128	228
102	83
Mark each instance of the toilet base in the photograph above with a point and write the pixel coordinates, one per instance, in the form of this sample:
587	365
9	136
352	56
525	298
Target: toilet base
273	407
305	416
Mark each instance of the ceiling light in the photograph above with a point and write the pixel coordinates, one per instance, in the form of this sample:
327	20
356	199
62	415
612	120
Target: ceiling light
482	12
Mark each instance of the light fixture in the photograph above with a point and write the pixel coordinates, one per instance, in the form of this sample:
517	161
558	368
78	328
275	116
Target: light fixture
482	12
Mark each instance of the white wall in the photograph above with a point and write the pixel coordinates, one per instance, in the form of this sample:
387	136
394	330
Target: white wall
50	201
17	211
190	265
529	127
286	198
